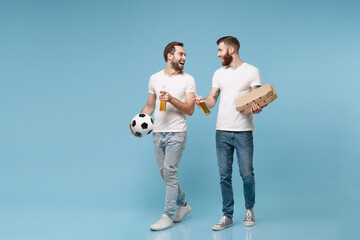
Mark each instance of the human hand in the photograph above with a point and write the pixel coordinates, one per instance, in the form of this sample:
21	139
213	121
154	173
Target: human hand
165	96
198	99
255	108
132	132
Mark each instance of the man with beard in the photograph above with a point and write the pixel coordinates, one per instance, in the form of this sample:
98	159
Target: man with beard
234	130
177	89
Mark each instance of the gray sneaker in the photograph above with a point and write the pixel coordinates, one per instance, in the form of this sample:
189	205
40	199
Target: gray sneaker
249	217
223	223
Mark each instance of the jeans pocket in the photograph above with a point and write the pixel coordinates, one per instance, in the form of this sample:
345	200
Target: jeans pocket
156	137
179	136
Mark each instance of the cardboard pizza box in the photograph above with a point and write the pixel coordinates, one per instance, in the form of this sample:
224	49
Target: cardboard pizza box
263	103
256	95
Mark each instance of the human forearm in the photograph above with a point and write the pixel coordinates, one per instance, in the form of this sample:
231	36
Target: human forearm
148	110
185	107
150	105
210	103
212	98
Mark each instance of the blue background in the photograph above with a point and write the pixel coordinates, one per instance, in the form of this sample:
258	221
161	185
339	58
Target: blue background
74	73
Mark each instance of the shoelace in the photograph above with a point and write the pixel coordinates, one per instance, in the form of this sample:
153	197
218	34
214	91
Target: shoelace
248	215
222	220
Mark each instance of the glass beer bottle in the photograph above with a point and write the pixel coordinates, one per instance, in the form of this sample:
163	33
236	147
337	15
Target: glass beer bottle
203	106
162	102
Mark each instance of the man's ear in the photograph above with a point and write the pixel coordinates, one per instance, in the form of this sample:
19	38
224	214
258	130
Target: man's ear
169	56
231	50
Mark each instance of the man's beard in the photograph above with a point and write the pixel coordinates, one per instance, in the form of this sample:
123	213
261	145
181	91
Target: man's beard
227	59
176	66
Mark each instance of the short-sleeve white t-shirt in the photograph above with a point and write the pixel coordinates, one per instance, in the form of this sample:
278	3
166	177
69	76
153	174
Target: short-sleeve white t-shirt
233	84
172	120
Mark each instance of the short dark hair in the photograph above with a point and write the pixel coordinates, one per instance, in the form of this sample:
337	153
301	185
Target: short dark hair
230	42
170	48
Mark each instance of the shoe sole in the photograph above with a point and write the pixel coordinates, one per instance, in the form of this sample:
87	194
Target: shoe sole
249	224
230	225
177	221
160	229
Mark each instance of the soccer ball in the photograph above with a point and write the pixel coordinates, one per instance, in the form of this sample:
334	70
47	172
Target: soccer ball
142	124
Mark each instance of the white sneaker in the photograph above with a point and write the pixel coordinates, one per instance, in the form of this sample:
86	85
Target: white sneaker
249	217
182	212
164	222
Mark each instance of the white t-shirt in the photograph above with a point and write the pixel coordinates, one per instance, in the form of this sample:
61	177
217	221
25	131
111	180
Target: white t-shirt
172	120
233	84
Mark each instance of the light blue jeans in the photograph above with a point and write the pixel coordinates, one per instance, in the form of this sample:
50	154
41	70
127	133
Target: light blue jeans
226	143
169	147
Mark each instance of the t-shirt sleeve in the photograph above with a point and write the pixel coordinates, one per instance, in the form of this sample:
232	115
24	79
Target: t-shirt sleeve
151	86
191	85
215	83
255	78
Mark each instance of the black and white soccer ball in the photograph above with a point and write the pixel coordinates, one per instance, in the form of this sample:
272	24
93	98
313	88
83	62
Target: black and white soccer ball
142	124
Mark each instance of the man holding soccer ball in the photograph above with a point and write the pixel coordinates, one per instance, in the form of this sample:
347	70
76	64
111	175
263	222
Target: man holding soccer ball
174	90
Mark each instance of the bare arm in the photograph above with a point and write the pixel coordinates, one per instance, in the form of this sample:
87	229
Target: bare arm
150	104
186	107
212	98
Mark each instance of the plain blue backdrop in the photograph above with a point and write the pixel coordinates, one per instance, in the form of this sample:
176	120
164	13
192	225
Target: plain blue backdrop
74	73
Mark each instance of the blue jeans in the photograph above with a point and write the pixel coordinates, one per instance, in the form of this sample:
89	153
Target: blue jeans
169	147
226	143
